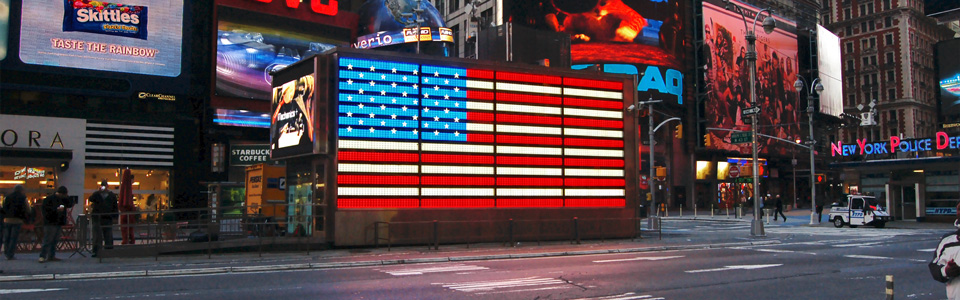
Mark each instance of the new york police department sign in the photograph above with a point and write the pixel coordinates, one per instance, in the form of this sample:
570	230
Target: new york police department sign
942	141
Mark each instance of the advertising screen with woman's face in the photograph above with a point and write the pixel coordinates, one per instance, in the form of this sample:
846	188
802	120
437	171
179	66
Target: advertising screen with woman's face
291	121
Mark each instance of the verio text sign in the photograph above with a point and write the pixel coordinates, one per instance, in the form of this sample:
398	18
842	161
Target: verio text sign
250	154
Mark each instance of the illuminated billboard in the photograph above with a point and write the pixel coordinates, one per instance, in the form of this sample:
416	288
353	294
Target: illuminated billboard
831	72
949	71
728	79
250	45
645	37
128	36
292	118
433	135
407	35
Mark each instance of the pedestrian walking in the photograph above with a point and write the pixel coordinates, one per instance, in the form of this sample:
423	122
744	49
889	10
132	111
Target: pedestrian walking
54	210
819	211
103	211
16	213
779	206
944	267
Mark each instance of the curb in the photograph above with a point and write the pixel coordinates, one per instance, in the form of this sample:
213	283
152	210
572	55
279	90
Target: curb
337	265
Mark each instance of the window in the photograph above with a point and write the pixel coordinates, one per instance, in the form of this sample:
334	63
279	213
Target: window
871	23
888	22
888	39
849	31
873	41
874	80
870	8
851	99
849	47
846	13
891	77
866	61
873	60
850	65
886	5
889	57
863	10
863	26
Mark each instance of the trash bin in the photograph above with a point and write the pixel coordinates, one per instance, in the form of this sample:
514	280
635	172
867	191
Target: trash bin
643	211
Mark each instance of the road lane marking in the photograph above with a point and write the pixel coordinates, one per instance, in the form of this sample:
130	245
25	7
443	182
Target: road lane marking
493	285
21	291
784	251
858	244
927	250
421	271
638	258
740	267
867	257
624	296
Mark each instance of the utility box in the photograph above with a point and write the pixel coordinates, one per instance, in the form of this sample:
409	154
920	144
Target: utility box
265	187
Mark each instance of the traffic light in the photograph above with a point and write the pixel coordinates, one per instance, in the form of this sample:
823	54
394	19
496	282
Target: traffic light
661	172
680	131
706	140
821	178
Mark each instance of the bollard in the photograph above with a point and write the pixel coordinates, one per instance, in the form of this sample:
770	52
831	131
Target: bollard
889	287
576	230
436	236
510	228
663	207
711	209
727	209
694	210
681	210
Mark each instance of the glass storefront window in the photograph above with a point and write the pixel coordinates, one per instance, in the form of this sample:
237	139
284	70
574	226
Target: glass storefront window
38	182
151	187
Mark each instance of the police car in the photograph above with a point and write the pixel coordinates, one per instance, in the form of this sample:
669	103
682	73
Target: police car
856	210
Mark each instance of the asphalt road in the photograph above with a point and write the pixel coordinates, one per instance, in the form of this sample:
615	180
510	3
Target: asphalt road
809	263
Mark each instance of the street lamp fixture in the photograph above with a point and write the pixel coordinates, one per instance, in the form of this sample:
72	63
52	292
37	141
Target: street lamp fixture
769	24
818	88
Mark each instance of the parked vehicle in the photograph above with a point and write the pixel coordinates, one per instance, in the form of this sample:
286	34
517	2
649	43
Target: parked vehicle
856	210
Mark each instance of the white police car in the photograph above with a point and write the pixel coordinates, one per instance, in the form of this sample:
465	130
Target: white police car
856	210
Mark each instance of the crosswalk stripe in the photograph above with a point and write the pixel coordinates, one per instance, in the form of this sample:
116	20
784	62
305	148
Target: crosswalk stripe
867	256
624	296
421	271
483	286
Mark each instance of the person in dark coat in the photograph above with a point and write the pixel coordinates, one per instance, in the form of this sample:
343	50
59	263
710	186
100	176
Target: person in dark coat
16	213
779	206
103	211
54	210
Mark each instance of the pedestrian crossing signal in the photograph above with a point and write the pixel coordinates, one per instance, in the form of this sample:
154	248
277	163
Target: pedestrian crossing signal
821	178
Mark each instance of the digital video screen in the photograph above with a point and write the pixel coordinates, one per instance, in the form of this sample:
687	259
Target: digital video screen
128	36
949	65
728	79
250	45
291	119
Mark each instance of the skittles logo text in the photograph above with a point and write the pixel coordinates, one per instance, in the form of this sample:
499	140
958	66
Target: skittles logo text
105	18
941	142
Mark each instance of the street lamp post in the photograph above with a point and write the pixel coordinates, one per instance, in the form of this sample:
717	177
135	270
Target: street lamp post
756	225
815	86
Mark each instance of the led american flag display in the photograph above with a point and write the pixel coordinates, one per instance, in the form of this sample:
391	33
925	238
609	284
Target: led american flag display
429	136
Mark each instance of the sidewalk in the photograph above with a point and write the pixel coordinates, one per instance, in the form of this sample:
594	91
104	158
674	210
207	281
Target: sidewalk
26	268
795	217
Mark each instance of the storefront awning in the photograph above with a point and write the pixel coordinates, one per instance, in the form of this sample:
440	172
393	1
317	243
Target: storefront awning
34	157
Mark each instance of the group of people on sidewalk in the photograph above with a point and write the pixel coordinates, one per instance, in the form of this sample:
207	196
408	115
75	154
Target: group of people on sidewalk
15	211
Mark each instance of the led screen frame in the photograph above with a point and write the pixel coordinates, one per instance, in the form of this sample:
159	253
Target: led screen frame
457	136
949	78
830	66
50	41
